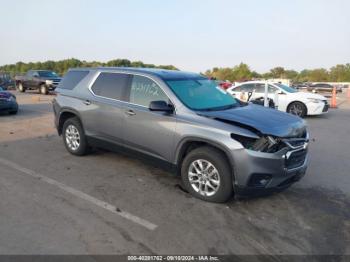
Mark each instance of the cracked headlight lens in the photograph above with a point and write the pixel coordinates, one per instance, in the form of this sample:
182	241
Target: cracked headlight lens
266	144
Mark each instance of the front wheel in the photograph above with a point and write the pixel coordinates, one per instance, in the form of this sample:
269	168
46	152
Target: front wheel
44	90
21	88
297	108
74	138
206	175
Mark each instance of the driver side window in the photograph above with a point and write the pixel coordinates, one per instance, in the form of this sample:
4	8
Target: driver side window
144	90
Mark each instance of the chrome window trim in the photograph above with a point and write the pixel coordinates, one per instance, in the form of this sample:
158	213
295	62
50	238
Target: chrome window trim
93	80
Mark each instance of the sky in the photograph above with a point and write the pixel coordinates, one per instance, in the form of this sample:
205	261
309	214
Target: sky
193	35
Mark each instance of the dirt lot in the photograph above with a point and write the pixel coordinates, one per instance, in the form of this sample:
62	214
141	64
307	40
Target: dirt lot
107	203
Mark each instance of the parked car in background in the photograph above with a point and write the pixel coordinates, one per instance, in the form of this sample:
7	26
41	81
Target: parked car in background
6	80
41	80
224	84
8	102
285	98
218	144
323	87
298	85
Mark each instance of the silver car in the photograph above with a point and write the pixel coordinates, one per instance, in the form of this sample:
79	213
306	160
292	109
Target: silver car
219	145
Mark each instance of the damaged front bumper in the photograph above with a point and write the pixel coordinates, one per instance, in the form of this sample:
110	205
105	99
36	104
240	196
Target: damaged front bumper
260	172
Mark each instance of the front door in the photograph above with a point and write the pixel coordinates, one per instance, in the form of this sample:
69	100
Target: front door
148	131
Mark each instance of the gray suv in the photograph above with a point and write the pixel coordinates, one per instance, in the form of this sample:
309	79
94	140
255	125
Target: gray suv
218	144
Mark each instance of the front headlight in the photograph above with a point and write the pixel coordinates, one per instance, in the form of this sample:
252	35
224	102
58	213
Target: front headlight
315	100
49	82
266	144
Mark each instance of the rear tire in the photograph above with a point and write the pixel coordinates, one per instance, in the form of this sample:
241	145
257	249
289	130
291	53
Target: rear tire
297	108
13	112
213	184
21	87
74	137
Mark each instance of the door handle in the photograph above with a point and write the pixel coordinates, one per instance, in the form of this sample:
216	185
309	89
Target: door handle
87	102
130	112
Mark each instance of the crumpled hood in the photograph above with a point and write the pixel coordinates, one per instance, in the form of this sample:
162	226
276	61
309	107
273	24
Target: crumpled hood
264	120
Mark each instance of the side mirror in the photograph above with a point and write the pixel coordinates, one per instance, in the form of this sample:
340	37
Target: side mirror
161	106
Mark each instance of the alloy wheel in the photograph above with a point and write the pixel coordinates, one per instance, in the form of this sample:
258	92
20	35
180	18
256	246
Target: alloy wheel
72	137
296	109
204	177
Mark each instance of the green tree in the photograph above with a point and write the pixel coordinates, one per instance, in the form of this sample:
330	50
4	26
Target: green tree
340	73
242	72
318	75
62	66
278	72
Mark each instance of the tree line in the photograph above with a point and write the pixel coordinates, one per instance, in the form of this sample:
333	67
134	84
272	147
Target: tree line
62	66
242	72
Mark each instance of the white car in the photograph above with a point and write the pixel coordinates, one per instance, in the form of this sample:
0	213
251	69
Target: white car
284	98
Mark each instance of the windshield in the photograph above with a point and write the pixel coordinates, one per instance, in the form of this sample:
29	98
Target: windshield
202	94
47	74
286	88
1	89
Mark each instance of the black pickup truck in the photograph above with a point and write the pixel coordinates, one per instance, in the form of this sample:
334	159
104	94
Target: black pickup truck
41	80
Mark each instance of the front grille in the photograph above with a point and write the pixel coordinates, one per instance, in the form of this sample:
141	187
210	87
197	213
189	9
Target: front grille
296	159
55	82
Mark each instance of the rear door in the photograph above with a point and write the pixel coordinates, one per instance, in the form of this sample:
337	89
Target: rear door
148	131
104	115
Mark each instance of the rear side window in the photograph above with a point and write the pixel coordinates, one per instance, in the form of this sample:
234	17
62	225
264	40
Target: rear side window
260	88
111	85
247	88
71	79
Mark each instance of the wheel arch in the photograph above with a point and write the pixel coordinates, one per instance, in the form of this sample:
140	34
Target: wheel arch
190	143
65	114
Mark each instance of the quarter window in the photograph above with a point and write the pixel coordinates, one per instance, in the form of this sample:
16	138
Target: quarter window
72	79
111	85
144	90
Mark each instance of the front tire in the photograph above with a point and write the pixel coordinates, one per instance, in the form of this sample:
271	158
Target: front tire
297	108
44	90
207	175
21	88
74	137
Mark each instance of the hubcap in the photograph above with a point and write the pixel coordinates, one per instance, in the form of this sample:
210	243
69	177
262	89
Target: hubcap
296	109
72	137
204	177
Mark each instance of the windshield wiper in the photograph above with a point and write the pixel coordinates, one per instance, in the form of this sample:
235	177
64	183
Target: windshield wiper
220	108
